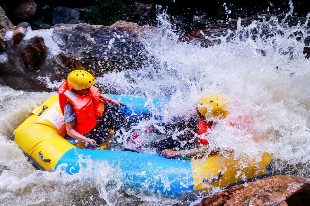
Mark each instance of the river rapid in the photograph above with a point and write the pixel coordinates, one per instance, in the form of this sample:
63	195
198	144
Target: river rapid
261	71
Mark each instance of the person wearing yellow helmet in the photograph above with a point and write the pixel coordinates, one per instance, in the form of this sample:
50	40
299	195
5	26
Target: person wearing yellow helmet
80	103
210	109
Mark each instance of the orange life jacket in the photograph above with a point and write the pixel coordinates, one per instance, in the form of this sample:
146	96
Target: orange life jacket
203	129
86	107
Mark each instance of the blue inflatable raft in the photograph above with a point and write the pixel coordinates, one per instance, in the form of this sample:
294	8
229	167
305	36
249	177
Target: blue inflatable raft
41	137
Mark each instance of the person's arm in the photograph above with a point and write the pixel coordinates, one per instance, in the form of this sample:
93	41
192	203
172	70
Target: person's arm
105	98
188	154
74	134
196	152
170	153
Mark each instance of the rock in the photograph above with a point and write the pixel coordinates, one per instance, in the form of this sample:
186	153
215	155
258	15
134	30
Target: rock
26	9
63	15
34	55
5	25
3	167
276	190
95	48
206	36
142	13
21	65
20	32
139	31
41	25
214	30
306	51
100	48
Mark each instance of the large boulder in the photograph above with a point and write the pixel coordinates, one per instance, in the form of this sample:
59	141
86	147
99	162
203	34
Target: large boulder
277	190
66	47
65	15
142	13
5	25
25	9
100	48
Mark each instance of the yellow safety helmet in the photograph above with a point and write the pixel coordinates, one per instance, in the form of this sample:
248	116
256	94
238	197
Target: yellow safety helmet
80	79
215	105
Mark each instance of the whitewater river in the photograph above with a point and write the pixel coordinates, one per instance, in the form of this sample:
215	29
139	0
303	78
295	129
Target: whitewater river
264	77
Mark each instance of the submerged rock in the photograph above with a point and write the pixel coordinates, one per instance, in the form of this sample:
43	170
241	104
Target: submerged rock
208	36
276	190
20	32
34	55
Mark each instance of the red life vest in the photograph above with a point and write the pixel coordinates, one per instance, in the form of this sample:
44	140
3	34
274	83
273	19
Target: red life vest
238	123
203	129
86	107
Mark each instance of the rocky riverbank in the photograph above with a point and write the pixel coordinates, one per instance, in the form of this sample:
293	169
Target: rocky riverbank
277	190
187	16
28	56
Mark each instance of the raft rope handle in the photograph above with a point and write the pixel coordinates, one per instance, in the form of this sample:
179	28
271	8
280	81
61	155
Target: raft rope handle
42	158
205	180
43	109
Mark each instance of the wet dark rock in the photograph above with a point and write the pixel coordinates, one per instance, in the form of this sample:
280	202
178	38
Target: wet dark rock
21	65
34	55
276	190
41	25
306	51
26	8
214	30
5	25
98	49
142	13
187	15
206	36
20	32
3	167
63	15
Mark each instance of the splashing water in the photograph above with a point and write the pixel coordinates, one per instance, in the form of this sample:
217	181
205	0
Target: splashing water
261	70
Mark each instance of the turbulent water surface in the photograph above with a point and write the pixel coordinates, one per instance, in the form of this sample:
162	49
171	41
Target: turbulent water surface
261	70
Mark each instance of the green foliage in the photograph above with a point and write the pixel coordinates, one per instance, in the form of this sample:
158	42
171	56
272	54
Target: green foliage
107	12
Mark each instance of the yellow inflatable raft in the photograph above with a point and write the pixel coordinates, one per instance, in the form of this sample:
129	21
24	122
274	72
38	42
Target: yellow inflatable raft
41	138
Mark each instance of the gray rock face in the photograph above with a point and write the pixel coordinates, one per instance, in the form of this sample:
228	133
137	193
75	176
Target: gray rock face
101	47
5	25
65	15
97	49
